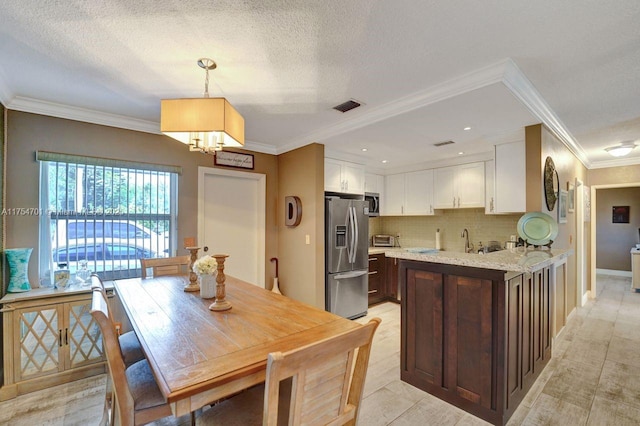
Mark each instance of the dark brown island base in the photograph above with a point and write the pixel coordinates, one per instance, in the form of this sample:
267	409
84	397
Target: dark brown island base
477	329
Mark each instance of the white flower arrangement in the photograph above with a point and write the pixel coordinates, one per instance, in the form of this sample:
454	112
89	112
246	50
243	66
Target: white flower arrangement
206	265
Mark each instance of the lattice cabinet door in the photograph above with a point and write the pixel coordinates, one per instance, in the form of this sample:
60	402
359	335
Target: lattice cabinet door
82	336
38	344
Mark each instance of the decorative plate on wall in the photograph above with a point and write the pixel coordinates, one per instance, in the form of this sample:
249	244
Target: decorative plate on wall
551	183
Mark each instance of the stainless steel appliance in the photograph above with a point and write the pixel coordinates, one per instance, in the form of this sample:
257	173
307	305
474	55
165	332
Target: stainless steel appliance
346	257
383	241
373	200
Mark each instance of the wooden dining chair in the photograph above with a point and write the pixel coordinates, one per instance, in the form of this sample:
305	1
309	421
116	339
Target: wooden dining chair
130	346
137	396
178	265
326	384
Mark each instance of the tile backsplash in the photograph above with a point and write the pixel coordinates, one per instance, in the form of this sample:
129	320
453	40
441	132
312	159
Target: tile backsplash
420	231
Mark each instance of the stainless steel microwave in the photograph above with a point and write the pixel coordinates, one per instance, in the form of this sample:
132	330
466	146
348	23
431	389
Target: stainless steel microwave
373	201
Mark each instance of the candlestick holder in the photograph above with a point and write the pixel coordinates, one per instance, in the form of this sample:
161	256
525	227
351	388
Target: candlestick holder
220	304
193	277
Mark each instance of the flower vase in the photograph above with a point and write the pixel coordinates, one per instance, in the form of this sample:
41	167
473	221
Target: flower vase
208	286
18	260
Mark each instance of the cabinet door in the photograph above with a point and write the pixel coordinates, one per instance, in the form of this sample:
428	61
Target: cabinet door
423	320
510	178
38	345
418	193
443	188
469	319
489	189
394	195
333	175
469	185
353	178
373	183
82	337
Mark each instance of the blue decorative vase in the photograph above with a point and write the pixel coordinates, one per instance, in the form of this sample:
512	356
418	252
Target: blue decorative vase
18	260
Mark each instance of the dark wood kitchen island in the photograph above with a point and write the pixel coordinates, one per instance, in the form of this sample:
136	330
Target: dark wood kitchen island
476	330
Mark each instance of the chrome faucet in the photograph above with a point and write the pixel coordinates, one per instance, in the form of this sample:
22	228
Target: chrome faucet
465	235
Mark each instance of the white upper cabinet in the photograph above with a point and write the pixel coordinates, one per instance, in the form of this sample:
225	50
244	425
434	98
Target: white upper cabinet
373	183
343	176
489	187
459	186
418	193
510	178
409	194
393	201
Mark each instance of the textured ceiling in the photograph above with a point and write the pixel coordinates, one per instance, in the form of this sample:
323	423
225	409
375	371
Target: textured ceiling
284	64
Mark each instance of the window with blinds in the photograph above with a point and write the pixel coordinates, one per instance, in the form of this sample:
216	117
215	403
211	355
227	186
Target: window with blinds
104	213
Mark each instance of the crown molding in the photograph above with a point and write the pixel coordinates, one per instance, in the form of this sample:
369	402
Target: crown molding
5	92
524	90
260	147
456	86
82	114
618	162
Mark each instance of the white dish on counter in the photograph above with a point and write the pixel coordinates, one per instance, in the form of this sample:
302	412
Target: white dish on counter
537	228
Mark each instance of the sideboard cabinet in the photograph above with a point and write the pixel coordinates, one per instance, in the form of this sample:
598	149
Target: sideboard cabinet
49	338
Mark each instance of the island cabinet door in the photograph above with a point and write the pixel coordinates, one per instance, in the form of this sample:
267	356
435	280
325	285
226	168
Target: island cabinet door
423	341
541	320
469	324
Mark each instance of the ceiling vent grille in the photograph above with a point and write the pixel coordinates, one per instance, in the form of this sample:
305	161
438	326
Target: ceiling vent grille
347	106
443	143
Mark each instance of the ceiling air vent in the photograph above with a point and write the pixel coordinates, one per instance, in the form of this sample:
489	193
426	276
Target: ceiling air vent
443	143
347	106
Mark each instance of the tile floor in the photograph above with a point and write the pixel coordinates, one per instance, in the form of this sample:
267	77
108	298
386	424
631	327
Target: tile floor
592	379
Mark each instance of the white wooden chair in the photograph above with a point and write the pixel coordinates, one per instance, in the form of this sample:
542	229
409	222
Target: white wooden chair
178	265
137	396
326	385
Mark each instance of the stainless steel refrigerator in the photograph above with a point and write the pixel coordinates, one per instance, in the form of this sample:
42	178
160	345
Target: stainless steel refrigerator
346	257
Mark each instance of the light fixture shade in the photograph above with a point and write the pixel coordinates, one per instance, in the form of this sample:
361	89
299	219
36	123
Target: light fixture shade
205	124
621	150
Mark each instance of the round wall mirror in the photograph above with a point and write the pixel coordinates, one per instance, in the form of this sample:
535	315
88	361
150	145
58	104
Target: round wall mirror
551	183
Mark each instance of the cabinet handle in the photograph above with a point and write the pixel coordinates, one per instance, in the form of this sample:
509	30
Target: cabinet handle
372	291
430	208
373	272
60	338
454	202
458	202
371	259
66	336
491	205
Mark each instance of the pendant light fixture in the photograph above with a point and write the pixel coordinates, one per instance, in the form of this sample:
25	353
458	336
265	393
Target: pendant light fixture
205	124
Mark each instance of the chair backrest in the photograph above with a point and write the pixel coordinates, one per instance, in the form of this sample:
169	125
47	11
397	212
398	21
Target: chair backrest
326	387
177	265
100	312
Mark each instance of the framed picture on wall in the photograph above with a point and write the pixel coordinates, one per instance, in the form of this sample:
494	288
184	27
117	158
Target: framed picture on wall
562	207
571	197
587	203
620	214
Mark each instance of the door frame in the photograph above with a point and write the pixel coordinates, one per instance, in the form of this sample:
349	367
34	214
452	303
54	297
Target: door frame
581	277
261	206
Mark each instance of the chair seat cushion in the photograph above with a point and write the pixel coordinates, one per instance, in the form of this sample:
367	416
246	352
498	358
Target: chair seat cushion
143	386
130	348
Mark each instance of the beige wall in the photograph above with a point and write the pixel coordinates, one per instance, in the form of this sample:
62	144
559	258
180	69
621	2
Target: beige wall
626	175
27	133
301	274
569	168
616	239
420	231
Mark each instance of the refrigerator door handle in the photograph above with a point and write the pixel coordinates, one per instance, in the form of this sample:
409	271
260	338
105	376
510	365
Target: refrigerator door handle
350	274
352	243
355	235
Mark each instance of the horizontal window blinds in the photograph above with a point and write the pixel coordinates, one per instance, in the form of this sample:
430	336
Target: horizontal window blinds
105	162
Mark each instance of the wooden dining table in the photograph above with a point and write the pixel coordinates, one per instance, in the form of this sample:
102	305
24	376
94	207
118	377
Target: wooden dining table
199	356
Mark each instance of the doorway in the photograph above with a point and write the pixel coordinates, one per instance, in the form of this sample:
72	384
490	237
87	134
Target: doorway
231	220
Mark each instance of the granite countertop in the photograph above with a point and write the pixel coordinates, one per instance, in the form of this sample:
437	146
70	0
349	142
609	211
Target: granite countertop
514	260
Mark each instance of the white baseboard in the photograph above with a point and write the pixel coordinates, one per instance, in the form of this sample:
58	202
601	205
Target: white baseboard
614	272
586	297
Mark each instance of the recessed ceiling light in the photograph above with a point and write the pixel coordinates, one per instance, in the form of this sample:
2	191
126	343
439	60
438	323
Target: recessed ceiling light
384	161
467	128
364	149
460	153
